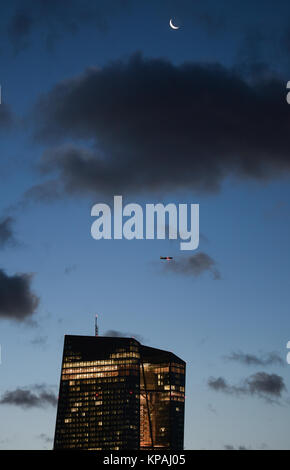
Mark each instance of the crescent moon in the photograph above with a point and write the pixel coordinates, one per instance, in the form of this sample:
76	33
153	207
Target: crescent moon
172	25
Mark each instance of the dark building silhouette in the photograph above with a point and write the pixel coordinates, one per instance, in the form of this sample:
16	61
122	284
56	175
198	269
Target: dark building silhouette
116	394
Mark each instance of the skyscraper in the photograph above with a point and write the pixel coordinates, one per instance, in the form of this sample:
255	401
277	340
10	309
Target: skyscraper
116	394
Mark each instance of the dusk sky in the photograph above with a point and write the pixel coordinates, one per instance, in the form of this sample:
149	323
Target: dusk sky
104	98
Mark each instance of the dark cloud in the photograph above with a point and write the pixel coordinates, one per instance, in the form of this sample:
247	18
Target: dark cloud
269	359
39	396
17	301
54	19
115	334
152	125
6	232
194	265
267	386
218	384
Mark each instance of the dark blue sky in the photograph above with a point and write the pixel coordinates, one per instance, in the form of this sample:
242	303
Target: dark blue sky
196	115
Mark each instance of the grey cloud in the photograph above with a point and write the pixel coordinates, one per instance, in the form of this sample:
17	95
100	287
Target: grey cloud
268	359
153	125
266	386
194	265
39	396
218	384
54	19
17	301
6	232
115	334
44	193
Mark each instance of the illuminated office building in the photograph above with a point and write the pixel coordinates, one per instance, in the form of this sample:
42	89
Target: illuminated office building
116	394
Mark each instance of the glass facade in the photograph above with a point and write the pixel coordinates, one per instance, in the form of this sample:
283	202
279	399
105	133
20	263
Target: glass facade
116	394
162	388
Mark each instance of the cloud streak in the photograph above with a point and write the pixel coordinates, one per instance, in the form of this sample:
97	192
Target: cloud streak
194	265
266	386
268	359
116	334
55	19
6	232
39	396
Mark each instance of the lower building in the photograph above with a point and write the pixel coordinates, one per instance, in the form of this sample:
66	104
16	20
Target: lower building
116	394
